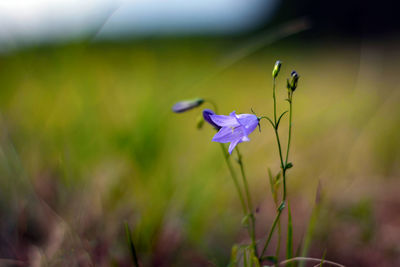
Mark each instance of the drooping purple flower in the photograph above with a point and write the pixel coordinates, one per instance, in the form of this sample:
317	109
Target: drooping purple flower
185	105
206	115
234	128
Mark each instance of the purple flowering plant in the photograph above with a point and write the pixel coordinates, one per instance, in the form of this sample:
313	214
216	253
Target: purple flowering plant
235	129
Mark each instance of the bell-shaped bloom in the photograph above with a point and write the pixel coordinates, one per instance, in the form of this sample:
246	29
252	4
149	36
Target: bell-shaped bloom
234	128
206	115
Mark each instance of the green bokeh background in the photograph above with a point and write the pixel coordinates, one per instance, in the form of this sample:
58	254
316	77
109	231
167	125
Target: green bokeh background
87	131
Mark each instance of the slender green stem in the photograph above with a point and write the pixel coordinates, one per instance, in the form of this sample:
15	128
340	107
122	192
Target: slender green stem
212	104
284	185
271	232
249	203
280	209
290	126
280	149
278	141
234	177
274	97
246	186
278	246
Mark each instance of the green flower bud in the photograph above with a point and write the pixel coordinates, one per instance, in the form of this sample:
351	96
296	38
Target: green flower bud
277	68
292	83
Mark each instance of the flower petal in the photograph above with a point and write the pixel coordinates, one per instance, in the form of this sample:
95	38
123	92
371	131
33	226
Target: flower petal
224	121
247	118
228	134
206	115
249	122
232	145
245	139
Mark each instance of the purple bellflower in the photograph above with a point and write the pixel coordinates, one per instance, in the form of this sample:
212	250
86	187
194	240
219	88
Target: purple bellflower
234	128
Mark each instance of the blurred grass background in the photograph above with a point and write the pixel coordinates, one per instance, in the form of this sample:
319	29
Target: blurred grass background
88	141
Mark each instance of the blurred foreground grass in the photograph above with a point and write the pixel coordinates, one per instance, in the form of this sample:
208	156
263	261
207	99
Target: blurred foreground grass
88	140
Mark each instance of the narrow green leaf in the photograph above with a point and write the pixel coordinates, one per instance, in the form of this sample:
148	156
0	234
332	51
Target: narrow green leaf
278	176
276	187
289	241
131	245
245	220
323	258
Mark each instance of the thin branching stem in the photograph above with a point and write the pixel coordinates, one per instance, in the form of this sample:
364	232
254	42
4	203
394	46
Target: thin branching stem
249	203
279	142
283	168
212	103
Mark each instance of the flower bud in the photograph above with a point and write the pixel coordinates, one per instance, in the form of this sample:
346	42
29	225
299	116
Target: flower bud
292	83
206	115
186	105
276	69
